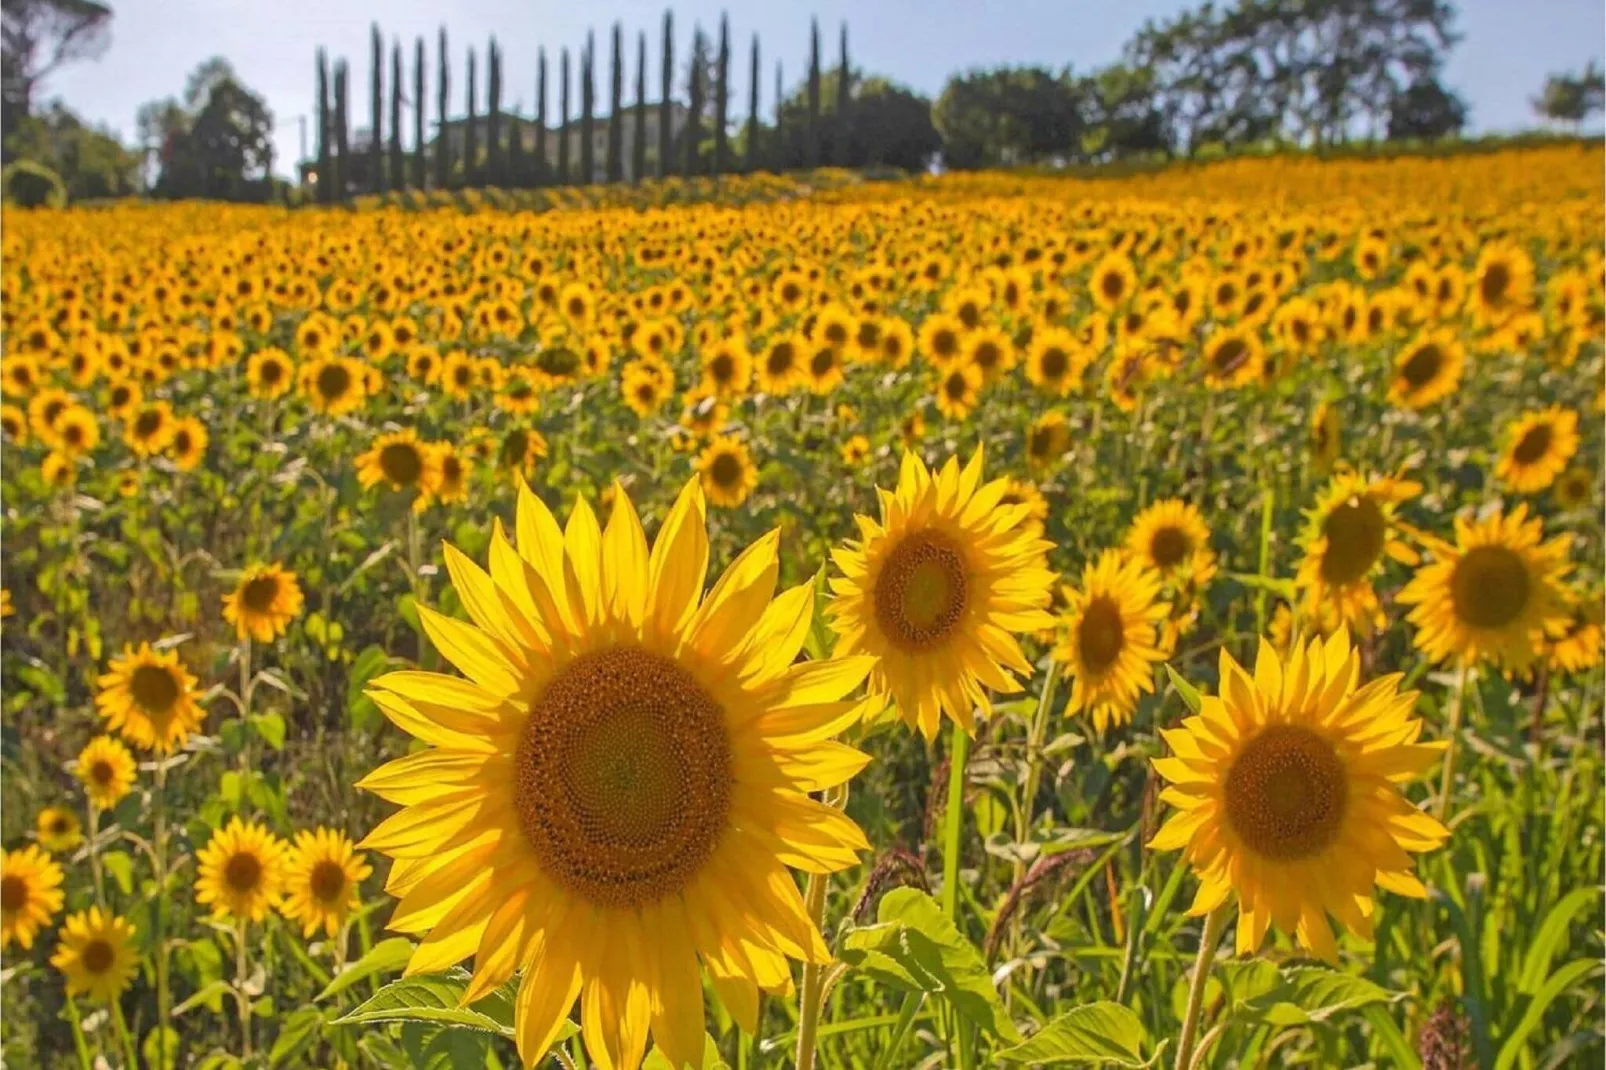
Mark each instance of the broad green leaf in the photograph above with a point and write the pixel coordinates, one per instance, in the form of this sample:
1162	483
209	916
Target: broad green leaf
297	1031
389	954
270	726
211	994
1103	1033
121	868
1306	994
1512	1047
1536	964
915	947
1189	693
160	1048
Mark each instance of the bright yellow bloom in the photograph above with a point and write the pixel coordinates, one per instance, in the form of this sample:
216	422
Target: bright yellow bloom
263	603
30	894
322	872
106	770
149	699
95	954
240	871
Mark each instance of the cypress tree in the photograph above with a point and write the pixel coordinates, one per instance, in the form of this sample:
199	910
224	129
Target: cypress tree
638	135
780	161
471	133
722	95
493	117
694	106
517	169
376	129
342	164
812	138
588	93
844	126
667	94
420	168
326	189
752	112
616	89
563	125
443	146
398	167
540	118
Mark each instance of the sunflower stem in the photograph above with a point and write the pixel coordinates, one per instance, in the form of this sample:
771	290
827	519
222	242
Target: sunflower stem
241	965
954	820
164	996
1452	732
809	1002
79	1043
1215	921
1034	773
122	1032
93	824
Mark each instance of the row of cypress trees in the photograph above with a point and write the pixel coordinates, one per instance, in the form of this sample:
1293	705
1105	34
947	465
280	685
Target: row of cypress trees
506	162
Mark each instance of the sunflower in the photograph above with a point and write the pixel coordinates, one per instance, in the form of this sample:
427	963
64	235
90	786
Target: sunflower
77	432
1232	358
240	871
1348	533
727	471
855	450
123	399
188	443
912	429
1577	647
149	699
520	394
1172	538
30	894
457	375
14	422
128	483
322	871
934	589
1055	362
57	829
1538	447
519	449
149	428
58	470
1574	488
44	409
334	385
728	368
263	603
1112	281
942	339
1326	435
455	470
779	367
990	351
401	462
897	342
106	770
1110	634
1502	284
1494	594
643	388
823	370
615	792
958	390
1427	369
95	954
1286	787
1047	440
1020	492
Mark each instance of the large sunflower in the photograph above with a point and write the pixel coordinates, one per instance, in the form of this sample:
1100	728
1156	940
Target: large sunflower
1496	593
1172	538
1287	791
618	788
106	770
30	894
1111	635
938	588
262	605
95	954
727	471
149	699
1538	447
240	871
322	872
1348	533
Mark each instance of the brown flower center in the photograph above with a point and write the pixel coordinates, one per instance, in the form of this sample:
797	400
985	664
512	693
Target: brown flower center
154	689
1355	532
921	591
1100	634
1489	587
1286	793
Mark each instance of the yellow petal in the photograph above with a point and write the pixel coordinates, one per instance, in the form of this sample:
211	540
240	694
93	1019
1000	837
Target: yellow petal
679	562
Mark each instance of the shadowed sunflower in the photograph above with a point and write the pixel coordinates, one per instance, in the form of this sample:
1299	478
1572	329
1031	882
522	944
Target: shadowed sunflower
615	792
240	871
455	470
727	471
30	894
58	830
1575	488
937	589
1428	369
187	444
1494	594
1326	435
1538	447
95	954
1109	646
1287	791
106	770
1348	533
402	462
1232	358
149	699
1577	646
264	603
1171	538
321	874
1047	440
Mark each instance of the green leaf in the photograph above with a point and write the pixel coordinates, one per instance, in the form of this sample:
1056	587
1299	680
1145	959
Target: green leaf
360	709
1102	1033
270	726
1536	964
1307	994
296	1032
915	947
435	999
1388	1035
160	1049
390	954
211	994
1189	693
1559	982
657	1060
121	868
1282	588
1076	839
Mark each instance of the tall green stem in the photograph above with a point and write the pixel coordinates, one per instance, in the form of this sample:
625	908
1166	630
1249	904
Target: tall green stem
954	820
241	976
1214	923
1452	736
94	854
809	999
164	996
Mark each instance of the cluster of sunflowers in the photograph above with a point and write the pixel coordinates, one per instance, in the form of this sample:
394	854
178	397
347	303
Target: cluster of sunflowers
609	801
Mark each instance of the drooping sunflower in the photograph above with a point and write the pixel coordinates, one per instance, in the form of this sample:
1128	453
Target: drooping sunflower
937	589
727	471
263	603
1286	787
400	461
1428	369
1578	645
1111	631
106	770
240	871
1047	440
1172	538
322	872
616	790
1538	447
57	829
95	954
1495	594
148	698
1348	533
30	894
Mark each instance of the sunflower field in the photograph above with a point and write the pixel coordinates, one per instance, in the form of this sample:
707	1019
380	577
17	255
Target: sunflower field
1003	619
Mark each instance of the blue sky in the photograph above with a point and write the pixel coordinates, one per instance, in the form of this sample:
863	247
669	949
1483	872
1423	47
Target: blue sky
1507	46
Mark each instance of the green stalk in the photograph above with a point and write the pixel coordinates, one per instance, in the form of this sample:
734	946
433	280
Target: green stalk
953	821
94	853
164	995
122	1033
1452	733
79	1043
809	1001
1214	923
241	998
906	1019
